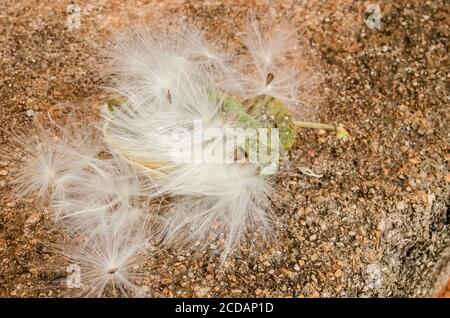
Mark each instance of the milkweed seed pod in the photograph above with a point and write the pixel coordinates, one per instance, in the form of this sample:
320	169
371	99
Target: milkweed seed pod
170	85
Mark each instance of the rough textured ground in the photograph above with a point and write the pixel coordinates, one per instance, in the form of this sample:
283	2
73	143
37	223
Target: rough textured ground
376	223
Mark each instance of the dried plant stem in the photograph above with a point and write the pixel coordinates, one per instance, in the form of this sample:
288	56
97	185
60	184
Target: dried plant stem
340	131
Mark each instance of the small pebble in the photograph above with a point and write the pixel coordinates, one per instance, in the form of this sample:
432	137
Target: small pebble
30	113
